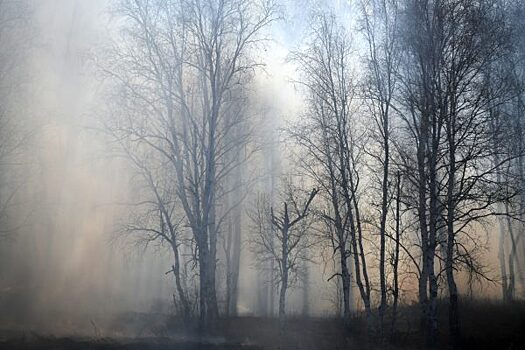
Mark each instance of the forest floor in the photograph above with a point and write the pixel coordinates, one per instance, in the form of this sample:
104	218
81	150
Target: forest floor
240	333
485	325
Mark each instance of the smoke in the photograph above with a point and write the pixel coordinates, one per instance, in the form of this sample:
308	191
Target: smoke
65	262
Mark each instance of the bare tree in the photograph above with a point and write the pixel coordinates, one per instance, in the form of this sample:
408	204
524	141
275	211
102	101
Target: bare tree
182	62
155	217
235	193
446	116
506	116
333	147
289	246
477	36
380	19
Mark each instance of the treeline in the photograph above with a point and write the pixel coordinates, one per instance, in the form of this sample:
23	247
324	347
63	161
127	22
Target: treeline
409	146
421	151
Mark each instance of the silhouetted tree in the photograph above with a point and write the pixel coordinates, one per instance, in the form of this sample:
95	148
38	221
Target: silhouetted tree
333	148
289	245
380	27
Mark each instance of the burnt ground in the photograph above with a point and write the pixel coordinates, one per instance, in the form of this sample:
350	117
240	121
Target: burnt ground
232	334
485	325
53	343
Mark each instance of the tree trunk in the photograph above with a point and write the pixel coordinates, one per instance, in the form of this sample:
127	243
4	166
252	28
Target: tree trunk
453	291
434	213
453	310
186	313
235	262
212	269
236	252
345	277
306	290
451	240
502	261
204	317
282	302
382	233
422	217
366	288
396	257
511	281
284	279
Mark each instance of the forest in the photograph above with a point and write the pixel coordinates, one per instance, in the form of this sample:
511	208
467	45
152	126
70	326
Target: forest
262	174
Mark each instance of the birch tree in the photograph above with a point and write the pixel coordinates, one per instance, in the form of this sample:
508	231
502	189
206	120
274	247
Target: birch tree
507	130
471	186
380	30
446	117
333	147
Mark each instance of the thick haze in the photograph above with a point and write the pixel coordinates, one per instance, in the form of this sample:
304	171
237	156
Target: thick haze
66	261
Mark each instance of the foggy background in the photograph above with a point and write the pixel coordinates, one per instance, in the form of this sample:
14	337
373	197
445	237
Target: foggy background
64	261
